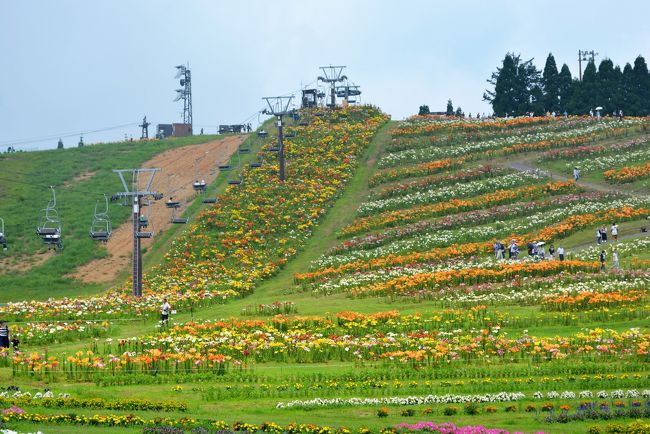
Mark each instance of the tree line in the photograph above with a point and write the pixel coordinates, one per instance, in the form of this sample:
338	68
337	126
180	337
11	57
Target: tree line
519	88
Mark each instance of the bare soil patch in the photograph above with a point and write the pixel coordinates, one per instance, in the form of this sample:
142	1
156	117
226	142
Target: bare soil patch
24	263
179	169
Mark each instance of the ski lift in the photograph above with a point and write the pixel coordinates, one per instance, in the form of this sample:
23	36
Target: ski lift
244	150
3	237
158	196
209	200
143	234
100	228
290	134
49	226
238	180
262	133
274	149
225	167
255	165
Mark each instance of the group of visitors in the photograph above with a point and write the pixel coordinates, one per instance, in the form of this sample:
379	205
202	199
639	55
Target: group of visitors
601	238
535	250
601	233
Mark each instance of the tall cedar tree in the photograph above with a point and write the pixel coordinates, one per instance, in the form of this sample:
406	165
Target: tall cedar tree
450	108
517	89
565	87
551	85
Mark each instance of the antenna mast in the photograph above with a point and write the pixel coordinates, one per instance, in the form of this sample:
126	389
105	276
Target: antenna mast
185	93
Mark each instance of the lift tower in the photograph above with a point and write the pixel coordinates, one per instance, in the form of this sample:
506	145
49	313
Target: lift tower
278	107
332	75
137	194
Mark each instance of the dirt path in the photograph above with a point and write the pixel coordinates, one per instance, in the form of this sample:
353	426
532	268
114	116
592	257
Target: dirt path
526	166
175	178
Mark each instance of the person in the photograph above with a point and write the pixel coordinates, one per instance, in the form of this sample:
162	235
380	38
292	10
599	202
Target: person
620	115
164	311
615	259
599	235
201	131
497	249
601	257
591	113
14	343
551	251
614	231
202	182
603	234
576	174
4	334
513	251
560	253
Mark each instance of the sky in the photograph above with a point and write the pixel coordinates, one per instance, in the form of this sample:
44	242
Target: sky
75	66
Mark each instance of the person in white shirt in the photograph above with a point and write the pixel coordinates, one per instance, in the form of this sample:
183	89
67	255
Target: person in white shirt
560	253
614	231
164	311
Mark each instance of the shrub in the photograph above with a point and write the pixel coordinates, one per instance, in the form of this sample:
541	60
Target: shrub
492	409
408	412
511	409
471	408
450	410
382	412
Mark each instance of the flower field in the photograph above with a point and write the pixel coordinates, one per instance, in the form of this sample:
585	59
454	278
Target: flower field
393	283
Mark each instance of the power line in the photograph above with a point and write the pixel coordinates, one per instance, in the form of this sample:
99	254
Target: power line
64	135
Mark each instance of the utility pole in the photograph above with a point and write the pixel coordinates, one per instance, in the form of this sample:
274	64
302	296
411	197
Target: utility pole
583	57
137	194
332	75
185	93
278	107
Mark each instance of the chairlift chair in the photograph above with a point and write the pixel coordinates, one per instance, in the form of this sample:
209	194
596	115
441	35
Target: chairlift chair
255	165
290	134
225	167
49	226
199	186
177	220
209	200
244	150
171	203
3	237
100	228
262	133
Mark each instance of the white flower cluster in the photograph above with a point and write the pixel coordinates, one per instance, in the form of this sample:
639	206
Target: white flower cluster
406	400
436	152
37	395
603	394
461	189
606	162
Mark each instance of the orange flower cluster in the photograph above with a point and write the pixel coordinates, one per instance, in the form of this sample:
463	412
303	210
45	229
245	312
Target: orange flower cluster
398	217
628	173
421	169
589	300
413	129
427	281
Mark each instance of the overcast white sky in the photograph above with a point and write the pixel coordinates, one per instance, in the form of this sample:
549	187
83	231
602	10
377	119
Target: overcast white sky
70	66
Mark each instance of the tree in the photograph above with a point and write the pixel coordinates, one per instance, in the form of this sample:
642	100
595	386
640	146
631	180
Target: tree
60	144
450	108
607	86
459	112
631	101
565	87
584	97
517	88
424	110
641	83
551	85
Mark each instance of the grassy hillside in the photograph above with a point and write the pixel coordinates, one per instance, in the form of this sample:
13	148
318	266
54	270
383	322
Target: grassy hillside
80	177
371	273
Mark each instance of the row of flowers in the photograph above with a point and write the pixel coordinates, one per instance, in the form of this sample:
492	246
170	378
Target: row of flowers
503	224
49	401
459	190
628	173
510	144
422	212
590	150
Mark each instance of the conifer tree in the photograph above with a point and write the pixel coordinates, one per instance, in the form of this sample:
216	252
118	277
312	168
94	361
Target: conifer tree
551	85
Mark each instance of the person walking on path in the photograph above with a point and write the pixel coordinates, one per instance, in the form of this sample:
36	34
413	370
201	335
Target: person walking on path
551	251
603	234
615	260
560	253
576	174
164	312
4	334
599	235
614	231
602	257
